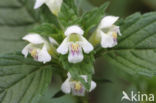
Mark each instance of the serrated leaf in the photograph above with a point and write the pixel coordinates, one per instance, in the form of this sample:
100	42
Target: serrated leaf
83	6
10	3
87	64
22	80
46	16
29	7
136	51
48	30
11	38
92	18
58	94
15	21
68	15
72	5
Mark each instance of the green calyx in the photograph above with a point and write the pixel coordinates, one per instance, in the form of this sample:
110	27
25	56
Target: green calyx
74	37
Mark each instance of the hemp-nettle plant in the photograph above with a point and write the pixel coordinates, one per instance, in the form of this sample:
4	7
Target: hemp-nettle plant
62	40
74	44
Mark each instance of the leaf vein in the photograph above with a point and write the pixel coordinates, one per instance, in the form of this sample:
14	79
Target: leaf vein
134	32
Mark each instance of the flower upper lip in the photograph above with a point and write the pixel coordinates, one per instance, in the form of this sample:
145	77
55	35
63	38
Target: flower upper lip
34	38
75	29
107	21
54	5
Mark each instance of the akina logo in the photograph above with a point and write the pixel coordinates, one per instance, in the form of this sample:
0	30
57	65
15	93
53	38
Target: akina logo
134	97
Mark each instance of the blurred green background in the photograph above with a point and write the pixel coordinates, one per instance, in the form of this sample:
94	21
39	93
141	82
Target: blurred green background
111	92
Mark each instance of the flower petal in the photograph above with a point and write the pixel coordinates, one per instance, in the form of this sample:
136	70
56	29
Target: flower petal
63	48
76	58
87	47
108	21
26	49
34	38
69	75
54	6
43	55
74	30
66	88
85	77
93	86
107	41
53	41
39	3
118	30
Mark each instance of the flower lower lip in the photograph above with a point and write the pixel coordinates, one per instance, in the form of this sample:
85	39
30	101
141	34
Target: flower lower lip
75	52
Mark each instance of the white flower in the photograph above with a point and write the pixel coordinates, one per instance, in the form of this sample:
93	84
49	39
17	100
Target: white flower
38	47
107	31
76	87
54	5
74	43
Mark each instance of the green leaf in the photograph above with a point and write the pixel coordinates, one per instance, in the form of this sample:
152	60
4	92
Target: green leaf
86	67
22	80
101	80
48	30
11	38
8	3
83	5
29	7
46	16
72	5
16	18
58	94
92	18
68	14
136	51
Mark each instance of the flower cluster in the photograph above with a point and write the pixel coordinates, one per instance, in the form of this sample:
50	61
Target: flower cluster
74	44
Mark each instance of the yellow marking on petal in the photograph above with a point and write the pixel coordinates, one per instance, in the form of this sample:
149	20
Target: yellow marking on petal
77	86
33	52
75	47
114	35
